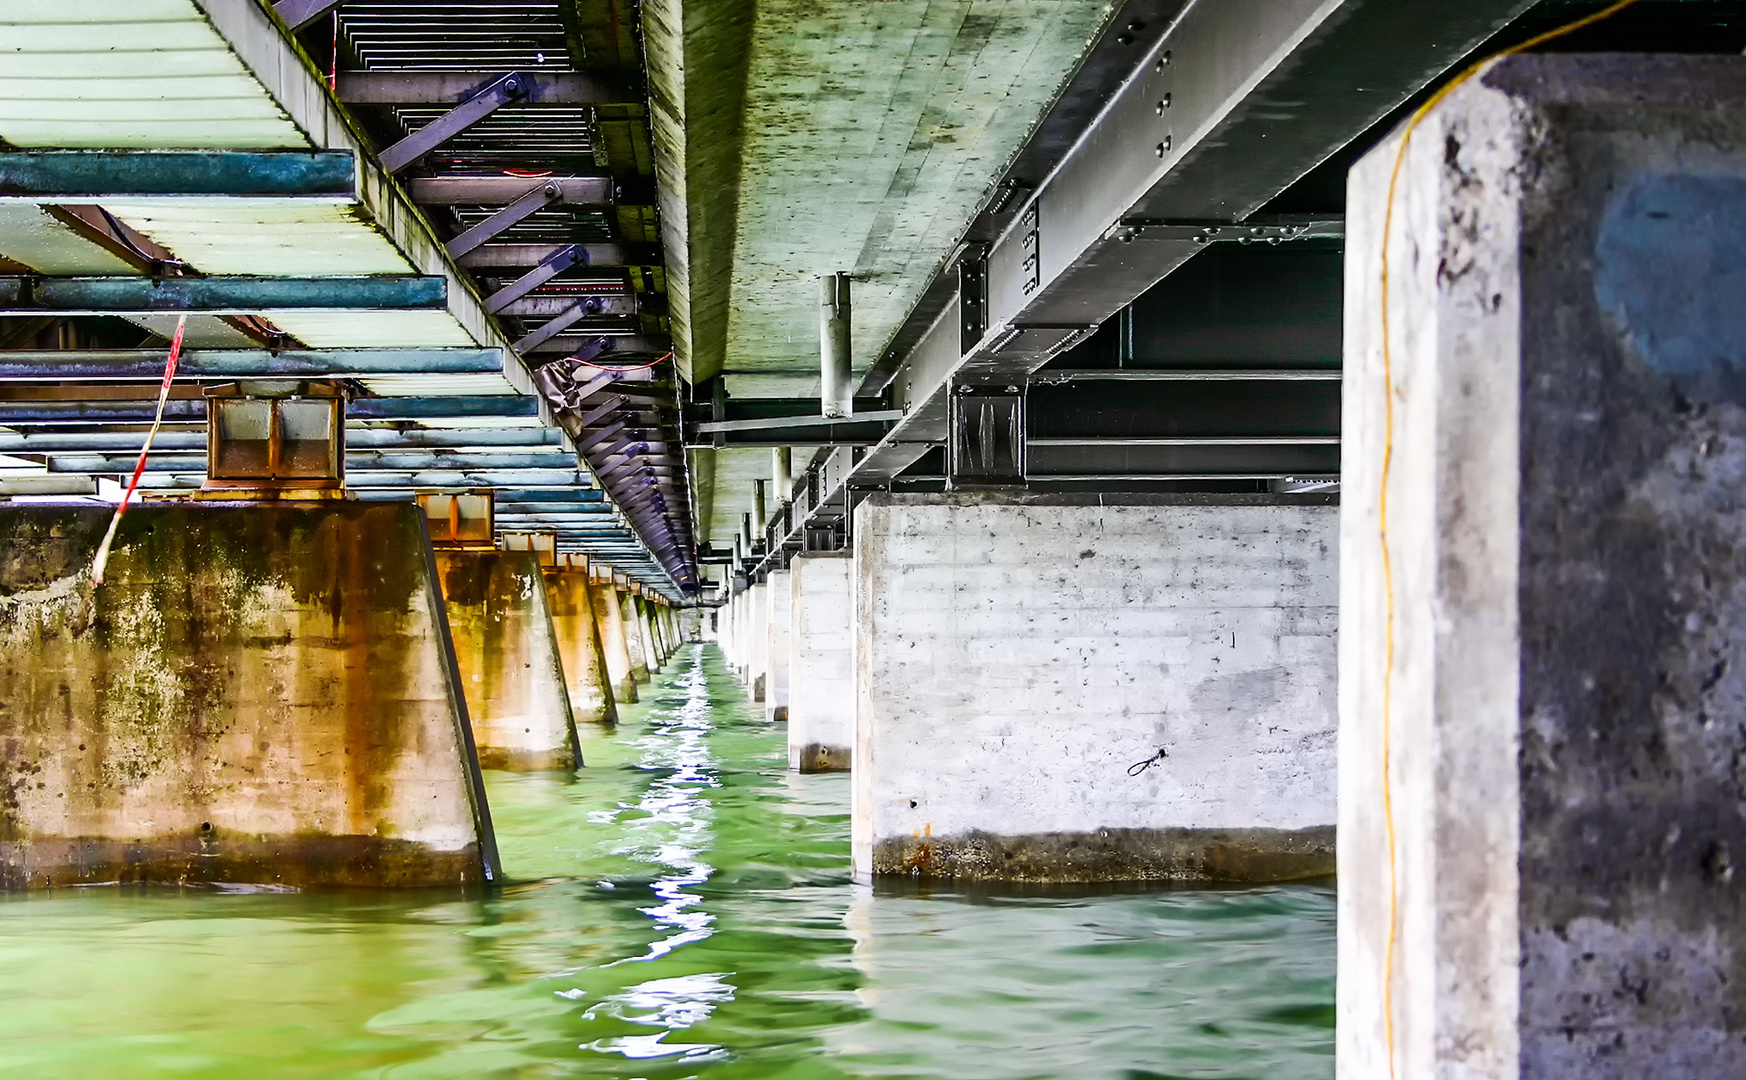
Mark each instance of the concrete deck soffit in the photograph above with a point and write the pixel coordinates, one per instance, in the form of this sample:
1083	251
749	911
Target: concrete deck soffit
833	135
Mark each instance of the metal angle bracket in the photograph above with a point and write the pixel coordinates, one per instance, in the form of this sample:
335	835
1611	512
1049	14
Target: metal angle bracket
1271	229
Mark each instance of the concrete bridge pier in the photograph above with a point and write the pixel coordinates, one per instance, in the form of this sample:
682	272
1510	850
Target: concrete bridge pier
501	622
579	647
757	645
1543	702
259	694
821	685
657	632
780	598
614	640
635	637
1084	688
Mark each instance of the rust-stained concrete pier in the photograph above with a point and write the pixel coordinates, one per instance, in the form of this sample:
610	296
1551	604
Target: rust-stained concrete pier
254	695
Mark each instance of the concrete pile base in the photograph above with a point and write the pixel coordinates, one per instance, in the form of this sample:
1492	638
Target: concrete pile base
1019	659
508	653
1558	747
256	695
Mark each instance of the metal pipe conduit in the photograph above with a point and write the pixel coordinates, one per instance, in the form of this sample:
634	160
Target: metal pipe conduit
836	369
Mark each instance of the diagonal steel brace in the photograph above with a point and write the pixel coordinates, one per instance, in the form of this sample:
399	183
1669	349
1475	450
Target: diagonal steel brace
550	267
537	199
484	101
557	324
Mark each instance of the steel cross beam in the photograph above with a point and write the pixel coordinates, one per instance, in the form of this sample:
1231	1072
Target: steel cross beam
228	295
522	256
612	305
449	87
593	192
76	177
482	102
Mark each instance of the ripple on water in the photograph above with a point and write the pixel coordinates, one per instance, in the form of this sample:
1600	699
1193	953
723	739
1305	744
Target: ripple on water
681	908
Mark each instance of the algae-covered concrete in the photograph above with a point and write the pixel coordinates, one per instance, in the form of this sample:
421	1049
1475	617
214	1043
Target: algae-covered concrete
579	647
636	641
508	652
256	695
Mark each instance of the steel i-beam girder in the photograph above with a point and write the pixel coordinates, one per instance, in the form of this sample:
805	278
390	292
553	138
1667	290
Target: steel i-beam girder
1221	109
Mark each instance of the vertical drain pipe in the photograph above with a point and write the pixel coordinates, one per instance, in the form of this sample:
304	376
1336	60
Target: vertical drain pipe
836	388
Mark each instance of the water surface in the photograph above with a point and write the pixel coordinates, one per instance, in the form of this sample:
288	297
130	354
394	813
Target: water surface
680	908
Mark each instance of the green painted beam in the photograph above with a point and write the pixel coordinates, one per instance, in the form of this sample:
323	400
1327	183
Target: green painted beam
90	176
227	295
134	365
424	410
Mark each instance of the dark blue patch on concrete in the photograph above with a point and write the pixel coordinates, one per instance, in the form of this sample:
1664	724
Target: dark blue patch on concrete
1671	270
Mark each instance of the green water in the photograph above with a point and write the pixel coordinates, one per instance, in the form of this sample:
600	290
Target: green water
682	908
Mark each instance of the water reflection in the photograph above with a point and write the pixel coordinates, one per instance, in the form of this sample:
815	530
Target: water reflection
682	908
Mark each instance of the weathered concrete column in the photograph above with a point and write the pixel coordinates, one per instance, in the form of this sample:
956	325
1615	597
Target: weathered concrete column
1543	704
657	633
508	653
614	643
256	695
779	595
639	610
821	685
579	647
1020	658
633	635
652	627
757	639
